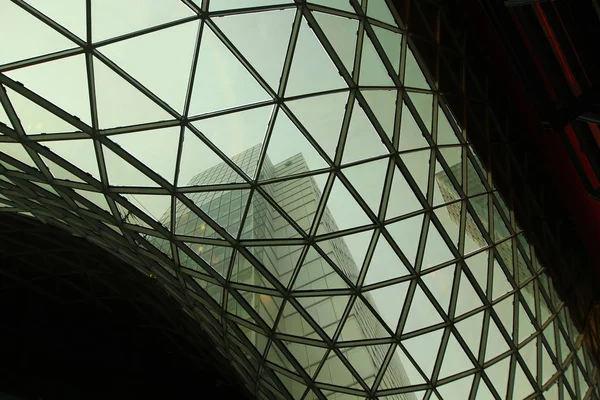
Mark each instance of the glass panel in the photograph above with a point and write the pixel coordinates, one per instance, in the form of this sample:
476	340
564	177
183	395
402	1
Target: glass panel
341	33
36	38
265	46
221	81
113	18
170	53
311	59
157	149
362	141
372	70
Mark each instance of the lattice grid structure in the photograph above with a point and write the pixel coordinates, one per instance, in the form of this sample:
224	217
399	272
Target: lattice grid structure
360	250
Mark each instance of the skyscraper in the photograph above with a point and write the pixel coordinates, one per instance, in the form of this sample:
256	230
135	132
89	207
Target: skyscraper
323	267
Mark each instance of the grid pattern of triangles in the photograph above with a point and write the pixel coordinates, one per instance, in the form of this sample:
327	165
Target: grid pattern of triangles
289	173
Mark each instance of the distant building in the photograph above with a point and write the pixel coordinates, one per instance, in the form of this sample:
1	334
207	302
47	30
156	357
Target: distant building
299	199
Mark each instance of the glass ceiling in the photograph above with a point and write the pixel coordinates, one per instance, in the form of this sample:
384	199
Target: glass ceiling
288	173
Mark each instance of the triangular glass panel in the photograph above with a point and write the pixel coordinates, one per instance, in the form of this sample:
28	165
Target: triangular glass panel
194	265
362	141
113	18
243	271
35	119
372	69
337	4
383	105
341	33
121	173
308	357
120	103
501	284
62	82
389	300
529	354
455	359
293	323
347	252
400	372
468	299
273	35
470	330
424	349
234	133
326	311
379	10
456	390
59	172
483	391
423	103
218	257
214	291
335	372
362	324
498	375
478	265
158	50
276	356
522	387
80	153
221	81
18	152
413	75
157	149
411	135
187	223
436	249
267	222
385	264
200	165
311	59
367	360
97	198
445	132
4	117
402	199
299	198
286	142
417	163
368	179
405	235
322	117
316	273
35	37
236	308
422	313
526	328
218	5
392	45
474	184
440	283
73	20
446	215
505	311
344	212
279	260
294	388
156	206
496	344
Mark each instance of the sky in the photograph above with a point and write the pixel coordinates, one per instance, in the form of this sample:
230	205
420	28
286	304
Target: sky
161	61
